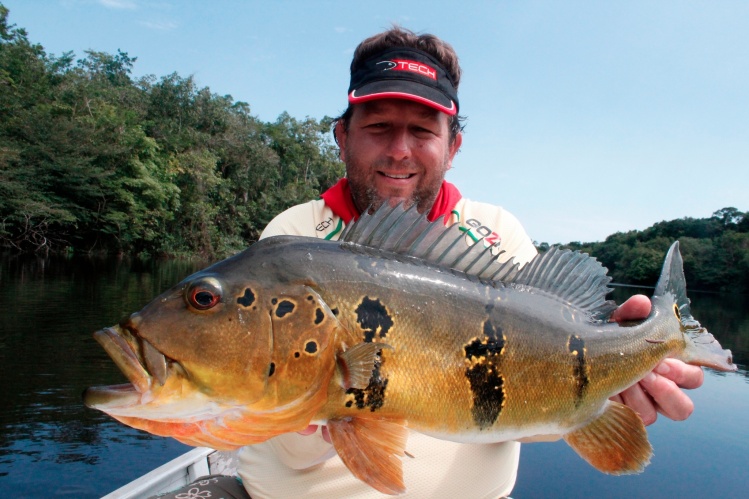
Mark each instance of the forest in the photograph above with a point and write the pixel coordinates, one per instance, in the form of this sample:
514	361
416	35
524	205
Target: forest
715	251
93	160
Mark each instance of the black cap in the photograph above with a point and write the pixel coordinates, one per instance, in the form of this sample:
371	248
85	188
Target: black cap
404	73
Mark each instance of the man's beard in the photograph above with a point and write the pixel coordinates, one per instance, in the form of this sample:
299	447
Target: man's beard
366	196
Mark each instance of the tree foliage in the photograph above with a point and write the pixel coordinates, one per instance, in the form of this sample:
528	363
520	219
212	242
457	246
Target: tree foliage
715	251
92	159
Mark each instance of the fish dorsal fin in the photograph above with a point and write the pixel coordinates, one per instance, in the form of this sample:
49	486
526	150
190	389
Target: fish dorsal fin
572	277
408	233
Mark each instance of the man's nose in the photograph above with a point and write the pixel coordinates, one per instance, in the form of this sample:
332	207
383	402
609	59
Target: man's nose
399	147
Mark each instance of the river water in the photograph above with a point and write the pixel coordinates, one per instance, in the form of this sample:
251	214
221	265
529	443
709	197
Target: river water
52	446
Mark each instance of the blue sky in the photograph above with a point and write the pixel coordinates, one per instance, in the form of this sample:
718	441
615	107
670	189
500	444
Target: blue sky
584	118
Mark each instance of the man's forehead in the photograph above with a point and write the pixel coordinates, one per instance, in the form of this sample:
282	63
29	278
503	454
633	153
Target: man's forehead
383	106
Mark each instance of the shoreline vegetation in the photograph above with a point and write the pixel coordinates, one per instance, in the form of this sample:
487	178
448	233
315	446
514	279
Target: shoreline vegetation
94	161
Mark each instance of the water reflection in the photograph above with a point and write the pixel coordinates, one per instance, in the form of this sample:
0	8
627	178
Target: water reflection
48	357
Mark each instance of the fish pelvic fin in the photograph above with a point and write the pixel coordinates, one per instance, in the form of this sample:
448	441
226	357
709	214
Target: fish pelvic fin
670	297
616	442
371	449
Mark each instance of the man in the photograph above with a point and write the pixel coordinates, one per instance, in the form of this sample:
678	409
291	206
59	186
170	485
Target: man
398	138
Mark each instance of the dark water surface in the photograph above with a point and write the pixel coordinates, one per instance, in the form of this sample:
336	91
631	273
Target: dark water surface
52	446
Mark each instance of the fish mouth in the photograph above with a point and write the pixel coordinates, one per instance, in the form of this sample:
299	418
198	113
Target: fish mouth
141	363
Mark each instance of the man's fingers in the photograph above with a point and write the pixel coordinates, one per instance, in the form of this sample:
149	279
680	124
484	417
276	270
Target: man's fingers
308	430
668	397
637	307
682	374
636	399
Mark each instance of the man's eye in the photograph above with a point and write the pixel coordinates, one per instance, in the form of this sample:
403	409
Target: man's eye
422	131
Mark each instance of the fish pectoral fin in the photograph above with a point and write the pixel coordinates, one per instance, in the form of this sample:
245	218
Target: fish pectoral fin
358	362
615	442
371	450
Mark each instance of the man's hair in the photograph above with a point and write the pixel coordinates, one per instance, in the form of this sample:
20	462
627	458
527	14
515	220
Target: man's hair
401	37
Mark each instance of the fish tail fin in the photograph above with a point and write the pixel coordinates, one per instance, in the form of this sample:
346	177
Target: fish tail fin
702	349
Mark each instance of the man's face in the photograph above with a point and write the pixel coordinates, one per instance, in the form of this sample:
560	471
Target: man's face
398	150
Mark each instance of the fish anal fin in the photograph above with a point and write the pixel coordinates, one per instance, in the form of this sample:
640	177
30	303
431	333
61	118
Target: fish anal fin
371	450
616	442
358	362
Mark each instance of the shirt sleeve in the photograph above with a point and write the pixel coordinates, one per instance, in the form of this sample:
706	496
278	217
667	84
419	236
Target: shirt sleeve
311	219
295	221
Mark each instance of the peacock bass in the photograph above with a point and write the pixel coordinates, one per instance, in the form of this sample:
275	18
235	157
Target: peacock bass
400	323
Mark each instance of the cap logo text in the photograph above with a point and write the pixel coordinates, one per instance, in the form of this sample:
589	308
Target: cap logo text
412	66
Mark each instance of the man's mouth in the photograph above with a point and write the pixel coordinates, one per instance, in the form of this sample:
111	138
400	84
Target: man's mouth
397	176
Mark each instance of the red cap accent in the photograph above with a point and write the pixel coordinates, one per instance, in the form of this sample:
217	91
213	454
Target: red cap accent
450	111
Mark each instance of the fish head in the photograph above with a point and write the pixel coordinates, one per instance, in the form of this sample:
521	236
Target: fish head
194	336
218	346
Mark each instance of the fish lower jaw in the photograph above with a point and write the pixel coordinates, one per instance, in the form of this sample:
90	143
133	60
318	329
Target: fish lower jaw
141	363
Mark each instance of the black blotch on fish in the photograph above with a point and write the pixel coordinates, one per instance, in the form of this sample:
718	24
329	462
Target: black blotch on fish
247	299
335	311
274	301
296	355
310	347
285	307
491	345
576	347
373	396
373	318
484	375
319	316
271	369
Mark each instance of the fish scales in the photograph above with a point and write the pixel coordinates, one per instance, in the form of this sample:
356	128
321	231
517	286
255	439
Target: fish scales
399	324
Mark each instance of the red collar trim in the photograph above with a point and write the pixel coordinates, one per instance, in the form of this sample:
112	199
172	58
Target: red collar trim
339	199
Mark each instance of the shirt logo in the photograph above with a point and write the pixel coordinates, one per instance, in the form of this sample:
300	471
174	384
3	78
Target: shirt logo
411	66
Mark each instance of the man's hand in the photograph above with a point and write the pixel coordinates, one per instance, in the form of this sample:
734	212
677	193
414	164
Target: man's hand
660	391
312	429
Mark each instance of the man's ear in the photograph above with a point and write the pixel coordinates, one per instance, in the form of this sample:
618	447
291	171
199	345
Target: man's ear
454	148
340	138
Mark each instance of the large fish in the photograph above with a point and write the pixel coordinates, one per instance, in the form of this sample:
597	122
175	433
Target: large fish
399	323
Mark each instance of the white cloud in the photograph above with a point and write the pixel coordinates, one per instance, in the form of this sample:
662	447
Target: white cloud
119	4
160	26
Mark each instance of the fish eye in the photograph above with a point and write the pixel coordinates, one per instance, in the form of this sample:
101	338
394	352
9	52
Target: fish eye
204	294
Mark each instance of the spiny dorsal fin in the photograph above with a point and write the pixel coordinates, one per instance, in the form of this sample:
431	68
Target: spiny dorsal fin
572	277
